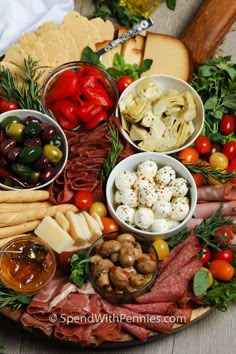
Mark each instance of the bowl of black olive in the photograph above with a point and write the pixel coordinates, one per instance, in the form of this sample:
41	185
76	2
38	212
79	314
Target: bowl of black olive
33	150
122	266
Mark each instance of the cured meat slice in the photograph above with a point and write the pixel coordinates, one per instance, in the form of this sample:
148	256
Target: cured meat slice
160	308
12	314
207	209
107	331
163	327
136	331
74	303
216	193
73	332
30	321
183	315
193	222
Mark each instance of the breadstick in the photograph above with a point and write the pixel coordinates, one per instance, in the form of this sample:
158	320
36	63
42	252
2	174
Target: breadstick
18	229
14	218
4	241
23	196
6	207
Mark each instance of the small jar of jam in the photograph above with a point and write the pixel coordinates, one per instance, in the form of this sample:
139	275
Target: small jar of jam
23	274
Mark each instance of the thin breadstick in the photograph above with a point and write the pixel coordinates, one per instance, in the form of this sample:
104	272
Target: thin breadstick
4	241
14	218
23	196
18	229
5	207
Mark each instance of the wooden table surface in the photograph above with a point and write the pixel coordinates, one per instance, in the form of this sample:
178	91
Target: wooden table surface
211	335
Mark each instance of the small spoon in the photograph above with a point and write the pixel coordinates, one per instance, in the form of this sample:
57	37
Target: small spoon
35	252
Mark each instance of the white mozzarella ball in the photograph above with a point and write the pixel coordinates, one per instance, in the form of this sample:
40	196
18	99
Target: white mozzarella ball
125	213
180	209
163	192
172	224
117	198
147	169
143	218
159	226
141	182
129	197
125	179
165	175
179	187
184	200
147	195
161	209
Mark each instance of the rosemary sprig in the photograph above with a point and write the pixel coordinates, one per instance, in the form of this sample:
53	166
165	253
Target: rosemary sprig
23	87
113	154
9	298
207	171
205	231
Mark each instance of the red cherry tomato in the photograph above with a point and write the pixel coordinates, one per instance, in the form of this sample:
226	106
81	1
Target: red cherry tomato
188	155
229	149
223	232
229	169
232	162
198	178
226	255
124	82
109	225
6	106
221	270
227	124
83	199
202	145
206	255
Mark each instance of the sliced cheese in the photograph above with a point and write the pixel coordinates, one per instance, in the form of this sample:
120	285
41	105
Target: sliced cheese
133	50
76	231
62	221
170	56
97	217
84	226
92	225
50	232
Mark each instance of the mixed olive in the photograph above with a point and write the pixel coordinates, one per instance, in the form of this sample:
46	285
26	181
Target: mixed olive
30	151
121	266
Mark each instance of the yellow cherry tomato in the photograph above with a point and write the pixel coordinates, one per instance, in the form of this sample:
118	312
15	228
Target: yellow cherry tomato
218	160
210	276
162	248
99	208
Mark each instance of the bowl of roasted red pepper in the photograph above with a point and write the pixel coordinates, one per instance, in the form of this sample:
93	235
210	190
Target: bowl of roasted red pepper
79	95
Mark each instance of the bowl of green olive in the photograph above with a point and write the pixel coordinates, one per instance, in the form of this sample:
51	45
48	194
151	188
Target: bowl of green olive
33	151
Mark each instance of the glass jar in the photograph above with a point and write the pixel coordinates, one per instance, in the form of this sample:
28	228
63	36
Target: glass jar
140	7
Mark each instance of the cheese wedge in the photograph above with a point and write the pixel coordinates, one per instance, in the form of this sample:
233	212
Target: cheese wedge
92	225
97	217
62	221
76	231
84	226
50	232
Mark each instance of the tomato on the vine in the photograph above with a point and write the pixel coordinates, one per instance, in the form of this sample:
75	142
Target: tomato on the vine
6	106
206	255
99	208
198	179
109	225
83	199
229	149
202	145
188	155
227	124
225	236
221	270
218	160
226	255
123	83
229	169
232	162
162	248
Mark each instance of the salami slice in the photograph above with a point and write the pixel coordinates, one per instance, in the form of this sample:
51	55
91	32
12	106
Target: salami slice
183	315
161	308
136	331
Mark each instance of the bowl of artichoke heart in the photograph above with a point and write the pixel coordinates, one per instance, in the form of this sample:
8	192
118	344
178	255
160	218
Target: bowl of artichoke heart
160	113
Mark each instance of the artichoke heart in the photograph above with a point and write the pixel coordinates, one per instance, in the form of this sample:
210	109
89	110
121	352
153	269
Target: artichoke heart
189	111
135	110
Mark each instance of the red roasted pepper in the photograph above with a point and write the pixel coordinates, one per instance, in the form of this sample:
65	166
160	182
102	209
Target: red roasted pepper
92	72
99	96
66	85
65	112
94	122
87	111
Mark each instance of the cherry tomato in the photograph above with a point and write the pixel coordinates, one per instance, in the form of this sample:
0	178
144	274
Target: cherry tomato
229	169
124	82
99	208
109	225
233	162
6	106
226	233
227	124
83	199
188	155
162	248
226	255
206	255
218	160
202	145
221	270
229	149
198	178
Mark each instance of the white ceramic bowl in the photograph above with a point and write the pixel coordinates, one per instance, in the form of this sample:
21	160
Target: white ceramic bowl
130	164
169	82
23	114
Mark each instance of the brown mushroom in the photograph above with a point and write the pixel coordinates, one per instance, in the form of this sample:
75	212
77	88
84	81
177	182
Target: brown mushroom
101	267
103	281
109	247
118	278
114	257
138	250
139	280
94	259
126	237
127	256
145	264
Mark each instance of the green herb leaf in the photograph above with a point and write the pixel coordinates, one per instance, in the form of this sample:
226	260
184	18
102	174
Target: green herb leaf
221	295
200	282
230	102
90	56
210	103
9	298
171	4
78	268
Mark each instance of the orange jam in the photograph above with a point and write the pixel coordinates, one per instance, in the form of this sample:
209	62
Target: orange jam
22	274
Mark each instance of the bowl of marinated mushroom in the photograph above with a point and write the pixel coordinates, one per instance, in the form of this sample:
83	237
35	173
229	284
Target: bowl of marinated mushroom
122	266
160	113
153	195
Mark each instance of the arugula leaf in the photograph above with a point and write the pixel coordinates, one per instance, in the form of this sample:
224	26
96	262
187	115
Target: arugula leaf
200	282
132	70
78	268
221	295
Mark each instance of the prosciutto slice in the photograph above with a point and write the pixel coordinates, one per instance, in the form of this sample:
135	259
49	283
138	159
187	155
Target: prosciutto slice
30	321
204	210
216	193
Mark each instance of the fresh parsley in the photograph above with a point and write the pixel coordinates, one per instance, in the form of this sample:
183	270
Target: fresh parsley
78	268
221	295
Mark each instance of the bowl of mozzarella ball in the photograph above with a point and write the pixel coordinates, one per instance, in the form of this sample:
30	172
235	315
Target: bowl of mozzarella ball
151	194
